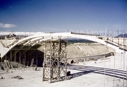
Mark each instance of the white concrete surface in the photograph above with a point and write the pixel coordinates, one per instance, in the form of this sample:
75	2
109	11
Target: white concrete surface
48	36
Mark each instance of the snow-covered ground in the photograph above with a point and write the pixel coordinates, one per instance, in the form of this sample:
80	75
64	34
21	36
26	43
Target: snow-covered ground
106	72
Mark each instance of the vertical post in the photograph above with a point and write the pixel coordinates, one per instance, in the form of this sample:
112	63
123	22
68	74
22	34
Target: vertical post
36	59
66	61
15	55
32	61
15	58
11	55
51	68
25	59
11	59
44	65
58	60
20	58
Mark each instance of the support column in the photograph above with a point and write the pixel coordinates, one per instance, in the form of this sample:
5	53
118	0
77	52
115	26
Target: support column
11	66
54	65
50	61
11	55
19	57
24	59
58	60
15	55
36	59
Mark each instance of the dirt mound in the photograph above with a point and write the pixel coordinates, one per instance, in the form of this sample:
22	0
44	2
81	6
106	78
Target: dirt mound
86	49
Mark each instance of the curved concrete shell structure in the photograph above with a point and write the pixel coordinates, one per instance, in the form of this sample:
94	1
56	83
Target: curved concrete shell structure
38	39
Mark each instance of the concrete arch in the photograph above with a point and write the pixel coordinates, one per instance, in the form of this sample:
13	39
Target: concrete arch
49	36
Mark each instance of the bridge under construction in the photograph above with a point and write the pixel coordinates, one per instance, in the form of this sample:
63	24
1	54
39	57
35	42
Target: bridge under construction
53	57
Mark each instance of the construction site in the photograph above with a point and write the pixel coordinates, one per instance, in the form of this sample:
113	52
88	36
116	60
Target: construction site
62	59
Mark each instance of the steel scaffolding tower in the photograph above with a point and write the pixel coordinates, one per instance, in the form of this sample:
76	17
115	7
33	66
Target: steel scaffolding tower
55	62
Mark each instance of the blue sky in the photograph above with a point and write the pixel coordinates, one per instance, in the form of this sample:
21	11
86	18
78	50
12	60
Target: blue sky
63	15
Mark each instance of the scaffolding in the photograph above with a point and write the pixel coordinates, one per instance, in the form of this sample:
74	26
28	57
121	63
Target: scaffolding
55	62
